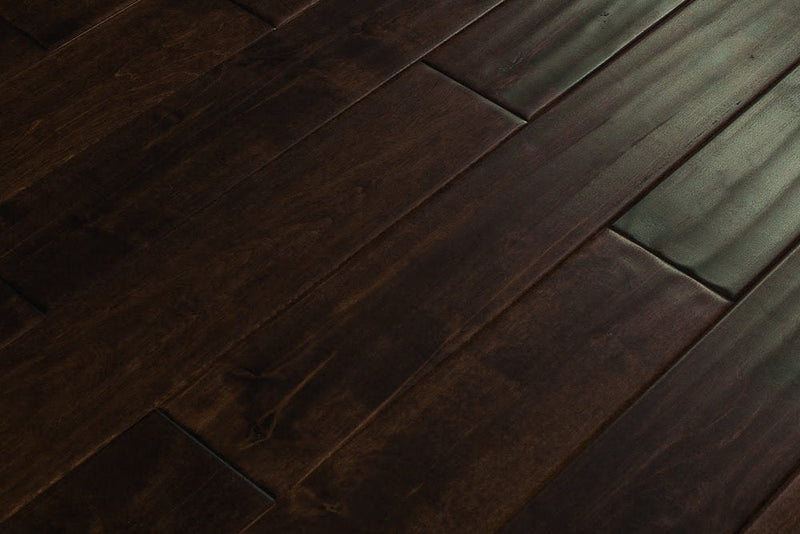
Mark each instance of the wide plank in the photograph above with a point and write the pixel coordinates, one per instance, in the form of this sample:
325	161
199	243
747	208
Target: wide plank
150	325
277	12
136	185
703	448
52	23
463	448
731	210
782	514
80	93
525	54
17	315
152	478
499	228
17	50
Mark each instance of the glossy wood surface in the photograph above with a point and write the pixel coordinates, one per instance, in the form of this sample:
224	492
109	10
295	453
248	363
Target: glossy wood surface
526	54
364	252
501	415
732	209
80	93
152	478
702	449
314	207
120	194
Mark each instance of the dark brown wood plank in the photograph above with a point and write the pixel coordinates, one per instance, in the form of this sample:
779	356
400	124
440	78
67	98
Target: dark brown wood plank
782	514
51	23
139	183
727	213
116	349
526	54
17	50
702	449
151	478
80	93
17	316
277	12
464	447
499	228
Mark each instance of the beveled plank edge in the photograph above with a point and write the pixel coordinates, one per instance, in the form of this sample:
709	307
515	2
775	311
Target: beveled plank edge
586	77
215	455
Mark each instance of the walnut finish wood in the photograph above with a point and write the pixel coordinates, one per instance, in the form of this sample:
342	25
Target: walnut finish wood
727	213
114	350
782	514
526	54
17	50
151	478
79	94
461	449
499	228
122	194
51	23
17	316
277	12
705	447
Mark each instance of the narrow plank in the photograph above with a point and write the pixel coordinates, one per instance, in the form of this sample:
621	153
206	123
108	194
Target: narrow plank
55	22
704	448
17	50
277	12
83	91
728	212
526	54
782	514
116	349
151	478
139	183
17	316
502	226
465	446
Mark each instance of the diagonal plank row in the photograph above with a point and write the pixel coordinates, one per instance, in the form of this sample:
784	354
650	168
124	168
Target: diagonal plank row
525	54
17	50
728	212
461	449
113	352
140	182
499	228
80	93
152	478
707	444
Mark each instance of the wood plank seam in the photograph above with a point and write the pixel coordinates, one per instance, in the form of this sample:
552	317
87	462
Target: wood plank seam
753	283
231	466
473	90
26	34
770	500
103	20
252	12
42	310
564	94
419	205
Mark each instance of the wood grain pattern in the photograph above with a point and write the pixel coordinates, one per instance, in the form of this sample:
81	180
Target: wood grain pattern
277	12
17	316
17	50
499	228
782	514
151	478
526	54
80	93
703	448
734	207
139	183
51	23
152	323
461	449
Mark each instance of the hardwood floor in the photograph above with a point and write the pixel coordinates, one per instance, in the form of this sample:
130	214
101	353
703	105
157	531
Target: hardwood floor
399	266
